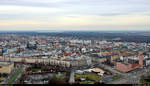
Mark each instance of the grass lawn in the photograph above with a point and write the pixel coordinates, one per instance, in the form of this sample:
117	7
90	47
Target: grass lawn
0	81
88	82
12	79
143	82
147	82
148	75
89	76
36	69
3	77
61	76
115	77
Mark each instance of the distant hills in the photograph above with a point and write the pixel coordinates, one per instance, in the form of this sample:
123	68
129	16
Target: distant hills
100	35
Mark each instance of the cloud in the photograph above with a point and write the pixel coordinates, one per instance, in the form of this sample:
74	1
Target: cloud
10	9
86	22
133	19
74	14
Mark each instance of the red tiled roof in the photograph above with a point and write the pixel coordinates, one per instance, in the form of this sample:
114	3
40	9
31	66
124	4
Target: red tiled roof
67	54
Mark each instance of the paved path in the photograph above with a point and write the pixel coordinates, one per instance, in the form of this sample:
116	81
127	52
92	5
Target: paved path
130	78
72	80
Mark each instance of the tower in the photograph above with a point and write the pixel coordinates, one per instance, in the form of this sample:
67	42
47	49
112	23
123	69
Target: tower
141	59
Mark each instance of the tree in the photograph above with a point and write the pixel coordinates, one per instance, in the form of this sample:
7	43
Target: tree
142	80
56	81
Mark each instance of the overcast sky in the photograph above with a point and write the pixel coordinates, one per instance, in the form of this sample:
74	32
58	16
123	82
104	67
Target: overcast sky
74	14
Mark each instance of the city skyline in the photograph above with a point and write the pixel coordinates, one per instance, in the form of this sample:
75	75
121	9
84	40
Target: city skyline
102	15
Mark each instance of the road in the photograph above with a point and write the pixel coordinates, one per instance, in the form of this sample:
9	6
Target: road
72	79
130	78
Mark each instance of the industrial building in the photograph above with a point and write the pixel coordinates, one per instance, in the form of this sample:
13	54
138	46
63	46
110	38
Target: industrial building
125	66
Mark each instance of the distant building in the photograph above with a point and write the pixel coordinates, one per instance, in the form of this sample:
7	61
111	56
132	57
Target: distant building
31	46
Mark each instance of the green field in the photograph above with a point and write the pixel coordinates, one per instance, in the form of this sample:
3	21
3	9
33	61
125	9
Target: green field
115	77
88	82
36	69
144	82
89	76
12	79
3	77
61	76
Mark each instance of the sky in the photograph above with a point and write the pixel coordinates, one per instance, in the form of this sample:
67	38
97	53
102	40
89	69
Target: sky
75	15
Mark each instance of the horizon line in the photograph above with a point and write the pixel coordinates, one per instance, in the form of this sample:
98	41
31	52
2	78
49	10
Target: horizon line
74	30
